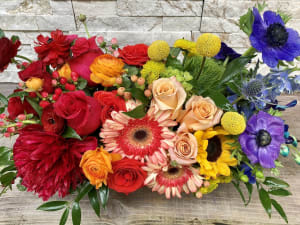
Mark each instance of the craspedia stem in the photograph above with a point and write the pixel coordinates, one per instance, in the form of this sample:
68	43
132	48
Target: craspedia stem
202	67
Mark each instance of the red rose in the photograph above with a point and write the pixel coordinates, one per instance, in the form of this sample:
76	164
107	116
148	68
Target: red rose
109	102
51	121
128	176
48	163
84	53
80	111
135	55
16	107
54	50
8	50
37	69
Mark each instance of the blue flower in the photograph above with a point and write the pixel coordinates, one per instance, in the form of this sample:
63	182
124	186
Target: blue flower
248	172
273	39
227	52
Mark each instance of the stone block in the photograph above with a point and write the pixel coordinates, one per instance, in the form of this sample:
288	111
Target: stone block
139	8
181	23
219	25
181	8
95	8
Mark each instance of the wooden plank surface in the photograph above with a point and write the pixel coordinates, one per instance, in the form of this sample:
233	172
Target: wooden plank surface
223	206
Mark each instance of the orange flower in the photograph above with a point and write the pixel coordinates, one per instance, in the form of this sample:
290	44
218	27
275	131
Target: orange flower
65	71
105	69
96	165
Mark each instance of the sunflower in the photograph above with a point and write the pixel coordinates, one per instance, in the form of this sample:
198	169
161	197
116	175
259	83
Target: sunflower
214	153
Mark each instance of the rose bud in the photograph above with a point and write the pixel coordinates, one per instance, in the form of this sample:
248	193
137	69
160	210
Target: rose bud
114	41
116	53
70	87
55	97
2	116
2	123
54	83
44	104
55	74
44	94
51	121
21	117
58	91
21	84
11	129
74	76
100	40
6	134
63	80
34	83
119	80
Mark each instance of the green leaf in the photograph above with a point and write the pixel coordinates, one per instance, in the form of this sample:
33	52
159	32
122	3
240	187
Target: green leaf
2	110
246	22
81	83
76	214
3	99
237	187
20	94
53	206
2	33
11	167
174	62
261	7
35	106
265	200
103	195
219	99
14	38
234	68
275	183
84	189
132	70
137	113
21	187
94	201
280	210
139	94
7	178
64	217
71	133
280	192
250	190
5	156
126	82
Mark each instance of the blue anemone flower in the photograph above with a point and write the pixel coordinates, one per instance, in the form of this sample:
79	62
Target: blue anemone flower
271	38
225	52
248	172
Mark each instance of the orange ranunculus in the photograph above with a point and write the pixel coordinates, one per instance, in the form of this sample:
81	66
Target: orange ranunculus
65	71
105	69
96	164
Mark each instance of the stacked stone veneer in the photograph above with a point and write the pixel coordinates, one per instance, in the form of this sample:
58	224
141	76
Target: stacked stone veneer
131	21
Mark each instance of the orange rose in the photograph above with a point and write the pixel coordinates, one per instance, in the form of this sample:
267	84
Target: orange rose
105	69
200	114
65	71
96	165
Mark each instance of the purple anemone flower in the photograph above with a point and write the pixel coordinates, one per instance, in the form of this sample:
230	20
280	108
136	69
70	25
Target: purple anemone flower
225	52
262	139
271	38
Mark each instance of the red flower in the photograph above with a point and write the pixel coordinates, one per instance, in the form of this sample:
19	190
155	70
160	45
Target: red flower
8	50
16	107
135	55
84	52
109	102
38	69
54	50
52	122
48	163
79	111
128	176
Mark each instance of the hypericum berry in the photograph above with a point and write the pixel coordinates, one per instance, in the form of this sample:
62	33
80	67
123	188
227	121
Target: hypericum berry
141	81
21	117
55	97
206	183
44	103
147	93
58	91
32	94
134	78
55	75
150	86
54	83
2	116
2	123
127	95
199	194
70	87
44	94
11	129
74	76
119	80
121	91
63	80
19	124
6	134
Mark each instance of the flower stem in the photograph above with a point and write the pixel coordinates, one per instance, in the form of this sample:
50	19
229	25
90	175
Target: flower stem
23	57
250	51
202	67
226	61
86	29
237	100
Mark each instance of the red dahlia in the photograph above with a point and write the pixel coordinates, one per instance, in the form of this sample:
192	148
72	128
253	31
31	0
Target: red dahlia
48	163
8	50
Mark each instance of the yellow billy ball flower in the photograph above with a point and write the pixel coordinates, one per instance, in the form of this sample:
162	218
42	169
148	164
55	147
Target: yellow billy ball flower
34	83
233	122
158	50
151	70
65	71
208	45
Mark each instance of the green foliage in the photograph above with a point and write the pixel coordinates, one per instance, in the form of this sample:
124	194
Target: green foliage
35	106
139	95
137	113
174	62
246	22
284	16
279	209
174	52
53	206
2	33
81	83
76	214
275	183
64	217
15	38
265	201
94	201
132	70
220	100
69	132
21	94
103	193
3	100
84	189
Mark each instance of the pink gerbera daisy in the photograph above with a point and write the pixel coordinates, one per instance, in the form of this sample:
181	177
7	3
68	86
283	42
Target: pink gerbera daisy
142	139
172	180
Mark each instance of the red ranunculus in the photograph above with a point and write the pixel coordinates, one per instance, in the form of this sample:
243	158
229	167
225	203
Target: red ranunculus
51	121
48	163
16	107
128	176
80	111
8	50
54	50
109	102
37	69
84	53
135	55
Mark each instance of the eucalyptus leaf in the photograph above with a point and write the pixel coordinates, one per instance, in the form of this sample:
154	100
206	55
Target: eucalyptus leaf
265	201
94	201
70	133
137	113
76	214
64	217
53	206
279	209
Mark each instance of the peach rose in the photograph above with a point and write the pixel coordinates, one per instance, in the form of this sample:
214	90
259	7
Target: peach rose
186	147
96	165
168	94
200	114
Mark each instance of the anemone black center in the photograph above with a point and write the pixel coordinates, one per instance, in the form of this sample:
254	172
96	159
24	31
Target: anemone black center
140	134
214	149
277	35
173	170
263	138
51	121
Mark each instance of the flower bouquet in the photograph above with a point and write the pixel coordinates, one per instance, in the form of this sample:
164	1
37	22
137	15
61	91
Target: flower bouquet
91	116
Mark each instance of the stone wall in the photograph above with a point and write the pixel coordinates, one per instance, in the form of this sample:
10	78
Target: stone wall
131	21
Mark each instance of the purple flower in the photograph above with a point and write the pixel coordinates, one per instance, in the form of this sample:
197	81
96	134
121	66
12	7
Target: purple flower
225	52
248	172
273	39
262	139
